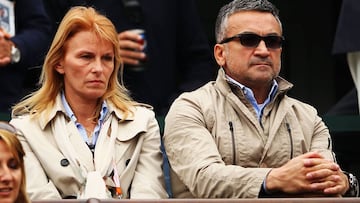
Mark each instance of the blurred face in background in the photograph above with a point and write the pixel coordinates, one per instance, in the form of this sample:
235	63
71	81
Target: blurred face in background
10	175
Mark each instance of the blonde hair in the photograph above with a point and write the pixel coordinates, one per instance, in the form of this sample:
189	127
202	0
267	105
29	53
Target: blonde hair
77	19
8	134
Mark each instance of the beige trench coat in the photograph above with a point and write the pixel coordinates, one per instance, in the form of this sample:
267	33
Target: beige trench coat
138	155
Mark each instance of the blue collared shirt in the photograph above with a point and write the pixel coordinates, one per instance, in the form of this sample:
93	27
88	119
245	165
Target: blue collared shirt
259	108
81	128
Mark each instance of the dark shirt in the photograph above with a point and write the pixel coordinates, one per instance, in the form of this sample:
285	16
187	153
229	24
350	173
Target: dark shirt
347	40
348	28
32	38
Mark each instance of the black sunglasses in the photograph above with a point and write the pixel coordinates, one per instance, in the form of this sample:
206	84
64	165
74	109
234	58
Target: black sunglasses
253	40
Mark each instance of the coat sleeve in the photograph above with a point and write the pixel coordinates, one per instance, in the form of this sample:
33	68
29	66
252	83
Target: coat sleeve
33	31
38	185
148	181
321	139
195	158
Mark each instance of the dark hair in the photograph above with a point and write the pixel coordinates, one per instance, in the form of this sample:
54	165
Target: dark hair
241	5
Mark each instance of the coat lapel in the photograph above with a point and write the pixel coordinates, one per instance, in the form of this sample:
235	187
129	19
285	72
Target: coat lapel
84	153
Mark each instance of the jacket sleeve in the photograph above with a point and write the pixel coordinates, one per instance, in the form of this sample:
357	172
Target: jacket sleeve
321	140
32	31
195	158
148	181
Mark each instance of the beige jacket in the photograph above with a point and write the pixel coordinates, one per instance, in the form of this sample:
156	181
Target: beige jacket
137	153
219	149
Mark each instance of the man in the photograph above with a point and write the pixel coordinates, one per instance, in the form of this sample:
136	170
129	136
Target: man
241	135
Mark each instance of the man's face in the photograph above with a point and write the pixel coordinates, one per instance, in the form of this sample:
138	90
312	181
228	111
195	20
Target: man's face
257	66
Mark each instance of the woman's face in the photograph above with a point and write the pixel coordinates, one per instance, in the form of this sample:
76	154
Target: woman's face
10	175
87	66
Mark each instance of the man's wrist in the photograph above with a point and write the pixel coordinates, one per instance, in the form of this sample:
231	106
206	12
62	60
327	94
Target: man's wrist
353	190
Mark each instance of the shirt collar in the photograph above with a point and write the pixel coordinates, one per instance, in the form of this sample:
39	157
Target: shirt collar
247	91
251	98
70	113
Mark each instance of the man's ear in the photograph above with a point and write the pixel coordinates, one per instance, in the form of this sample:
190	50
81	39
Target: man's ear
219	54
59	68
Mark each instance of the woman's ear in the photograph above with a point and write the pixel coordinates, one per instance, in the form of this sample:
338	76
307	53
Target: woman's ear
59	68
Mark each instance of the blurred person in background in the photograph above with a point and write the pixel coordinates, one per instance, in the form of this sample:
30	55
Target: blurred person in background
12	170
23	53
346	41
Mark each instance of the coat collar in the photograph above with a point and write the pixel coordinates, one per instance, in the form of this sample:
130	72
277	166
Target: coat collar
223	84
134	118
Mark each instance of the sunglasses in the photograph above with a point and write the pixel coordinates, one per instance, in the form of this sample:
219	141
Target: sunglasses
253	40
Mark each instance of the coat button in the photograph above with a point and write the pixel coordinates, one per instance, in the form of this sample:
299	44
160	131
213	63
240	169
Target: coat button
64	162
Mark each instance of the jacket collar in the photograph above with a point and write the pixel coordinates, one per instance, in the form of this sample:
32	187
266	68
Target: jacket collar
59	109
221	81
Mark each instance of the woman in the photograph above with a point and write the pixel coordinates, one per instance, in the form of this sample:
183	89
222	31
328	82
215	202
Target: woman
12	172
84	136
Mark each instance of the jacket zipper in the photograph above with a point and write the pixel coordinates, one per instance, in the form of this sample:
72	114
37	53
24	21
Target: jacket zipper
291	140
233	141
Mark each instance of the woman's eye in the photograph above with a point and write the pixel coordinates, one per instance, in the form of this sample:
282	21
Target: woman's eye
13	164
108	58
